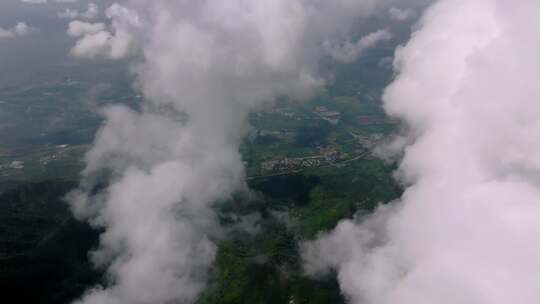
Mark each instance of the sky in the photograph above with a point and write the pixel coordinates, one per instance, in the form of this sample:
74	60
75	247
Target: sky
41	53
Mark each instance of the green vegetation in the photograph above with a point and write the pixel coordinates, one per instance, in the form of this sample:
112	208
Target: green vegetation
325	173
265	266
43	250
46	129
297	203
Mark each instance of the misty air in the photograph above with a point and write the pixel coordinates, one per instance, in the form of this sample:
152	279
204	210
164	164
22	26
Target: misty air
269	151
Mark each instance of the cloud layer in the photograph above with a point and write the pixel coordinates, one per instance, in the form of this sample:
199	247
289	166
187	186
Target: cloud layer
202	66
465	230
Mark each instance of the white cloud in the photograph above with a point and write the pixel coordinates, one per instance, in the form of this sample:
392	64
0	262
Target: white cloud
68	13
465	230
45	1
93	45
79	28
202	66
400	14
91	12
19	30
348	51
34	1
98	40
22	29
5	33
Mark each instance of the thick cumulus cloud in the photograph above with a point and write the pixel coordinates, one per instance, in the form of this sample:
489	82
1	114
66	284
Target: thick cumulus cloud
98	40
466	229
202	66
79	29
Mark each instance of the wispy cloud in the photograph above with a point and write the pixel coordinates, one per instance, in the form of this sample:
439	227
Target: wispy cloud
91	12
19	30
